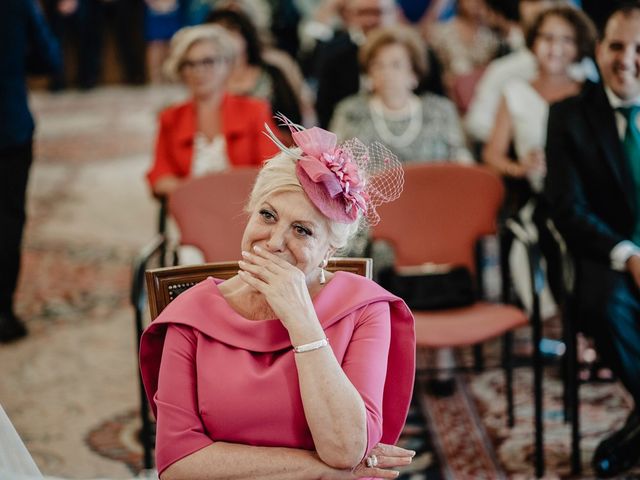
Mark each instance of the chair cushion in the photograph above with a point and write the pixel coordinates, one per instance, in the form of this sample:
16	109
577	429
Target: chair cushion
459	327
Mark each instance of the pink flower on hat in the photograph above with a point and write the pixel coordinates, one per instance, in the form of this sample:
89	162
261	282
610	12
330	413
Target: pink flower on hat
341	163
335	170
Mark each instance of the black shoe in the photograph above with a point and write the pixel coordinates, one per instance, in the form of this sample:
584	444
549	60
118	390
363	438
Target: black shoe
11	328
441	388
620	451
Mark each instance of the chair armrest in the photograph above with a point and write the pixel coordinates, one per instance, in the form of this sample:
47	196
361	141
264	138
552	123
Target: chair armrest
157	243
162	215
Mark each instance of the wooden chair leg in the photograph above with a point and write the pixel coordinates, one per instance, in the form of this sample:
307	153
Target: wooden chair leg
566	372
538	400
507	362
537	281
146	433
573	385
162	229
478	358
537	392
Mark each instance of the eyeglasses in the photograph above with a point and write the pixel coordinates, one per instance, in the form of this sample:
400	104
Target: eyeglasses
207	63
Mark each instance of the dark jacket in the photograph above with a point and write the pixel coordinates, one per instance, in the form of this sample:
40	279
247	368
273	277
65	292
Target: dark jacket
589	184
26	46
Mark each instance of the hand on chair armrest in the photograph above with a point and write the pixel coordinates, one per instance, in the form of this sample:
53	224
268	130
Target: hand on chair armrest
166	185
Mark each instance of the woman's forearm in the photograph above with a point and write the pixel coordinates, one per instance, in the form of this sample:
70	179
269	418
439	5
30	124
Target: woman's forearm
501	164
231	461
333	408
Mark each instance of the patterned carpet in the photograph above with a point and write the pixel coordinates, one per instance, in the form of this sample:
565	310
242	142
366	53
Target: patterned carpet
70	388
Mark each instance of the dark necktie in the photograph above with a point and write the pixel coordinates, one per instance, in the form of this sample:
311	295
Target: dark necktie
631	143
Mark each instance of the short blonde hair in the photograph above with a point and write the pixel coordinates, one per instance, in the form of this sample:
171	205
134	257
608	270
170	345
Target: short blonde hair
279	175
396	35
184	38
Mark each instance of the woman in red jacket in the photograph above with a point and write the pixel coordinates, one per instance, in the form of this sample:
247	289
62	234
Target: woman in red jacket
213	131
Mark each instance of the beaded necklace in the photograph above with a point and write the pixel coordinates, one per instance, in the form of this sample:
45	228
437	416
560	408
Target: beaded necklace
380	114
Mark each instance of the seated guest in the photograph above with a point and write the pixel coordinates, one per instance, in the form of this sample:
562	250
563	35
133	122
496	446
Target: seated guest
558	37
337	59
213	130
417	128
285	370
260	17
480	117
464	44
592	185
251	75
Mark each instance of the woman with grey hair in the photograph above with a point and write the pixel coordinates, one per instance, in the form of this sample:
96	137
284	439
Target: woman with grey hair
422	128
286	370
213	130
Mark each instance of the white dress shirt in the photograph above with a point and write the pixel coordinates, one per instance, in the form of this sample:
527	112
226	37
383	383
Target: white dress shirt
209	156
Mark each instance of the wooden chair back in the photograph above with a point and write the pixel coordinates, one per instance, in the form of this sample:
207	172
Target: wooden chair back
165	284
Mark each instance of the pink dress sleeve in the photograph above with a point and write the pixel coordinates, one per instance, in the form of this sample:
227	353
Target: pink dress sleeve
180	430
365	364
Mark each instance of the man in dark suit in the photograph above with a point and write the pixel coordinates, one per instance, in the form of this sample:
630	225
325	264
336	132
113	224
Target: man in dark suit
25	44
338	69
593	186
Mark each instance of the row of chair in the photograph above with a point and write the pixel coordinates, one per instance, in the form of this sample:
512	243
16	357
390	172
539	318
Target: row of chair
443	213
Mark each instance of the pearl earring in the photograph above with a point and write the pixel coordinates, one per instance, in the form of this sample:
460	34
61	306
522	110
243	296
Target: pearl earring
323	279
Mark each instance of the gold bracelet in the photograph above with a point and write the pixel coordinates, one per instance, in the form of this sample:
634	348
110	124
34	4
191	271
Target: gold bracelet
309	347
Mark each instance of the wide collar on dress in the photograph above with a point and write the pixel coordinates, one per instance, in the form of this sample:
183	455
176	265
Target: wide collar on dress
343	295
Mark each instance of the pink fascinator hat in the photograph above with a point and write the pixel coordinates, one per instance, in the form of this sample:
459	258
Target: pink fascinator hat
343	181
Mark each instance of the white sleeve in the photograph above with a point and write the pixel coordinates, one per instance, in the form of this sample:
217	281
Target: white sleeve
481	115
621	253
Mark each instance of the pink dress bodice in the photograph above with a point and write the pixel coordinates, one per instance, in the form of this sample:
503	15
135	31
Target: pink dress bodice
213	375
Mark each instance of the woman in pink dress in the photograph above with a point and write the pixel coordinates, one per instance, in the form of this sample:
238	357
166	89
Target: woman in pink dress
285	370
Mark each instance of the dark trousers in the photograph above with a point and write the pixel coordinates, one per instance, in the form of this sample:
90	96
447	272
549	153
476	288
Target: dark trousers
14	174
84	32
609	306
125	18
79	34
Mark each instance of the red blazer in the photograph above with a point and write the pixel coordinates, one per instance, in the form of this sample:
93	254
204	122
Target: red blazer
243	120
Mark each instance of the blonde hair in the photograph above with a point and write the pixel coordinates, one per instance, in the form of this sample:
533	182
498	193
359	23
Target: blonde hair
184	38
279	175
396	35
